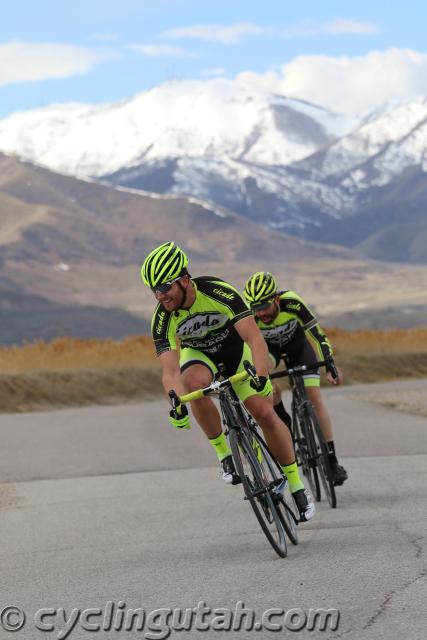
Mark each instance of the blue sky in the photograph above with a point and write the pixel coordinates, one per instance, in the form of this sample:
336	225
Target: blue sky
98	50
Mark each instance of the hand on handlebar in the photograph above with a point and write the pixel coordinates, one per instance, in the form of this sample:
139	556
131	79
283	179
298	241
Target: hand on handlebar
333	374
264	386
178	415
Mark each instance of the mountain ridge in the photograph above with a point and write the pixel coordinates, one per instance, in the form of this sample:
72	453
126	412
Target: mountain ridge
284	163
79	243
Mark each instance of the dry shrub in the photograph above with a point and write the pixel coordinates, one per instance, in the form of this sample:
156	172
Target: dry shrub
67	354
71	372
386	341
41	390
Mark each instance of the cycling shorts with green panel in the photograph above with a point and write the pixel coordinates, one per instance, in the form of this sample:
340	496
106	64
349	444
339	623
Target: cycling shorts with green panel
304	355
190	357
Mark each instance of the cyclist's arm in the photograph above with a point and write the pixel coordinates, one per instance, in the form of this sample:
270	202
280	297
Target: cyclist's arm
249	332
326	352
171	372
295	304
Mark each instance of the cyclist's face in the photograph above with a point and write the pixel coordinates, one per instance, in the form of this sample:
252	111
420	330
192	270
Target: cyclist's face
268	314
173	298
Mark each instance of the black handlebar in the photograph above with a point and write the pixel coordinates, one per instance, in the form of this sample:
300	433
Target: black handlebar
302	368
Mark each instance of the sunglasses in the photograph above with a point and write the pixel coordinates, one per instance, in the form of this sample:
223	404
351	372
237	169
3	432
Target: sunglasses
263	305
165	286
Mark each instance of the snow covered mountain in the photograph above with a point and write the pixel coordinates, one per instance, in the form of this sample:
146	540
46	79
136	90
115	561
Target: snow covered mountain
218	119
373	156
293	165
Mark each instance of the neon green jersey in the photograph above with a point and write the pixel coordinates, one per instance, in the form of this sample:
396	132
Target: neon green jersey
290	326
208	325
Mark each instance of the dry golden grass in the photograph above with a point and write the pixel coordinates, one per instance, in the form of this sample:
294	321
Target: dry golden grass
68	354
70	372
391	341
374	356
42	390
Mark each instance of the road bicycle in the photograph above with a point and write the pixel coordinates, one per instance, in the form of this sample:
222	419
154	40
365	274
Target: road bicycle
264	484
310	445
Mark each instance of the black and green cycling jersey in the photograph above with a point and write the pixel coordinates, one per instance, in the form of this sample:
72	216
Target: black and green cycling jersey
295	321
208	325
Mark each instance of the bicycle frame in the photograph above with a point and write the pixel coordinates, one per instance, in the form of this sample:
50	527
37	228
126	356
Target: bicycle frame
311	442
296	384
263	477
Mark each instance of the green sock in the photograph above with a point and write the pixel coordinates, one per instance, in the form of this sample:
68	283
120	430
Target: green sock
221	447
292	474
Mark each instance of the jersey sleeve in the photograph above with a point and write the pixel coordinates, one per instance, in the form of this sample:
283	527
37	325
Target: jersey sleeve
163	331
227	296
293	303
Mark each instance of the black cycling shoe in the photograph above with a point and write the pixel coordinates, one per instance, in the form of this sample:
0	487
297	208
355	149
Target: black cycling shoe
339	474
229	474
305	504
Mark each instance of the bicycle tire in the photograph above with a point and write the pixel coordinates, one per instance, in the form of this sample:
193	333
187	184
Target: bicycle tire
256	491
304	450
323	465
284	501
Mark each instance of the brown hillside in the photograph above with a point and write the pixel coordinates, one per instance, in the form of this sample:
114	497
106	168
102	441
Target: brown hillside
101	234
79	221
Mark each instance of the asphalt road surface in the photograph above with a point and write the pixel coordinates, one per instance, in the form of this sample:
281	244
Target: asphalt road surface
108	509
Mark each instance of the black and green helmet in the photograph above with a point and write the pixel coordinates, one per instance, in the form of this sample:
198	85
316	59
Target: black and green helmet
260	290
164	265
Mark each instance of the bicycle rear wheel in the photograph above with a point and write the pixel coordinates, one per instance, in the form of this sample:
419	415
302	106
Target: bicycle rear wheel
323	466
257	491
304	445
280	491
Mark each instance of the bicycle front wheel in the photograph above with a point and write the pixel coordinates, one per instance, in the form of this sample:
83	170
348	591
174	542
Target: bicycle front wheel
257	491
279	485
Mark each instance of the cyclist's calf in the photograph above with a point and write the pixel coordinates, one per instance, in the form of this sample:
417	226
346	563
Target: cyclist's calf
277	435
277	393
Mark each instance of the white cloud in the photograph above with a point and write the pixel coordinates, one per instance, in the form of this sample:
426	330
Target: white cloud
336	27
217	33
158	50
214	72
33	62
341	25
353	85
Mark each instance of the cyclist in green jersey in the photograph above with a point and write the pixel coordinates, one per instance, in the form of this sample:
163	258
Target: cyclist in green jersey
290	329
216	330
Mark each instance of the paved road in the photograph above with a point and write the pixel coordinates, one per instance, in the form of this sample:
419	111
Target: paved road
109	504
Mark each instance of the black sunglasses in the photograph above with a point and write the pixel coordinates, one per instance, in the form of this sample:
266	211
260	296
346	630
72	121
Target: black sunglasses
259	306
165	286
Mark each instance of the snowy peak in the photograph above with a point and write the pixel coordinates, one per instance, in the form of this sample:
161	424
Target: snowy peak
390	143
175	119
295	166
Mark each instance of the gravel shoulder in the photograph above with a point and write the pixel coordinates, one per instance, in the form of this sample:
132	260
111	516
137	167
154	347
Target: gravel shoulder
409	396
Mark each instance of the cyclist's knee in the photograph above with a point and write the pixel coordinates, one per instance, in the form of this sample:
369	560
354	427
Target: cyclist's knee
314	396
196	377
262	410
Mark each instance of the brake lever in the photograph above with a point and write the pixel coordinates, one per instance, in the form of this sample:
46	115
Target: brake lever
333	370
174	399
251	371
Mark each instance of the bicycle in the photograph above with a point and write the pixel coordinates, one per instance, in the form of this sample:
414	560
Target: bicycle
310	445
264	484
